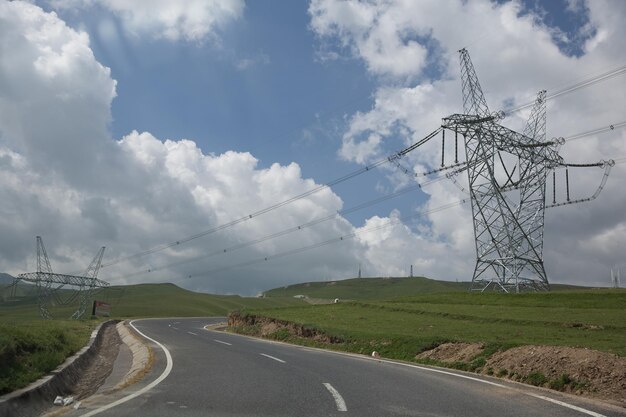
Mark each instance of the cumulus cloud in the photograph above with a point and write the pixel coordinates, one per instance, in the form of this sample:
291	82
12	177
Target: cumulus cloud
64	177
386	40
189	20
515	55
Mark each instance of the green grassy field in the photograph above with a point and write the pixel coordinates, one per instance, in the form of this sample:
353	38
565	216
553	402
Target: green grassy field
375	288
404	327
31	347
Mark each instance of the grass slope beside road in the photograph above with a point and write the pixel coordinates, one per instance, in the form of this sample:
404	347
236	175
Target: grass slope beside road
31	347
404	327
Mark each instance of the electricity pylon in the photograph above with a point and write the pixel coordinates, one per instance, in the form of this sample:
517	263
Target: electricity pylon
507	174
49	284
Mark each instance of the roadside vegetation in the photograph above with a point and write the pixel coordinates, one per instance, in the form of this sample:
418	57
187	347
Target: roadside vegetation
403	327
31	347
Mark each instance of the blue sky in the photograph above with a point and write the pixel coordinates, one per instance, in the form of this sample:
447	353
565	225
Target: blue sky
326	85
265	89
288	105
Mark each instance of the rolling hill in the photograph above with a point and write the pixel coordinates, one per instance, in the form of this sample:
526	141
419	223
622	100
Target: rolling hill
149	300
377	288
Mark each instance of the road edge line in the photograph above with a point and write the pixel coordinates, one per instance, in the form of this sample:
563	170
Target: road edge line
339	401
522	390
166	372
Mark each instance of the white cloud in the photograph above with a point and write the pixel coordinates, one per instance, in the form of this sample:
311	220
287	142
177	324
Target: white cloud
250	62
63	177
385	39
189	20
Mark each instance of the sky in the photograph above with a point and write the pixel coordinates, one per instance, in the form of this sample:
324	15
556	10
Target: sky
135	125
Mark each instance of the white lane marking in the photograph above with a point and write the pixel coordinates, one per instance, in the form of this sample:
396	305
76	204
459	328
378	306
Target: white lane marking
195	334
439	371
353	355
224	343
341	404
166	372
561	403
175	328
271	357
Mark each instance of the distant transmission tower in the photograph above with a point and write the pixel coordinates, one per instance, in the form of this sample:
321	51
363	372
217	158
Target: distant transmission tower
508	214
615	277
49	285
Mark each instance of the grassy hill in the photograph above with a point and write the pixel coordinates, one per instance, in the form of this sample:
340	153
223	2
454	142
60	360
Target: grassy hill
5	279
377	288
169	300
148	300
367	288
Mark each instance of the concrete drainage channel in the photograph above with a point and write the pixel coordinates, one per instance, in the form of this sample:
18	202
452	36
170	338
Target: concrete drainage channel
59	386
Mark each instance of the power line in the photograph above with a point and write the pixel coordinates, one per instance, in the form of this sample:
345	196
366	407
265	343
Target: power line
290	230
273	207
574	87
295	251
248	217
596	131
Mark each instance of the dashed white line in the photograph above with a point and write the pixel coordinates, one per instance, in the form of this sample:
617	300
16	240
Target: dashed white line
271	357
175	328
341	404
222	342
195	334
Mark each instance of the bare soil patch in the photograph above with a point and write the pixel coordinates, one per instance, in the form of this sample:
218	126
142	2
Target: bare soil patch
580	371
276	329
577	371
100	368
453	352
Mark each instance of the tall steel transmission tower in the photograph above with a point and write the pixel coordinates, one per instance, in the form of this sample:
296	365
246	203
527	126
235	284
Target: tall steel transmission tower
50	285
507	174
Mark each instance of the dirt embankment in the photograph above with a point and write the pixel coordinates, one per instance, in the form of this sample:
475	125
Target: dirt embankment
575	370
578	371
276	329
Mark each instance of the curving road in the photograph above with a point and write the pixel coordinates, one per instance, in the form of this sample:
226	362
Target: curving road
211	373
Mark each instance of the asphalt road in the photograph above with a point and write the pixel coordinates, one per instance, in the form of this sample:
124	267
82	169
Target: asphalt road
220	374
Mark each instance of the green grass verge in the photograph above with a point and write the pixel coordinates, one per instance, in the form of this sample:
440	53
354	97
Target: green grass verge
31	347
404	327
